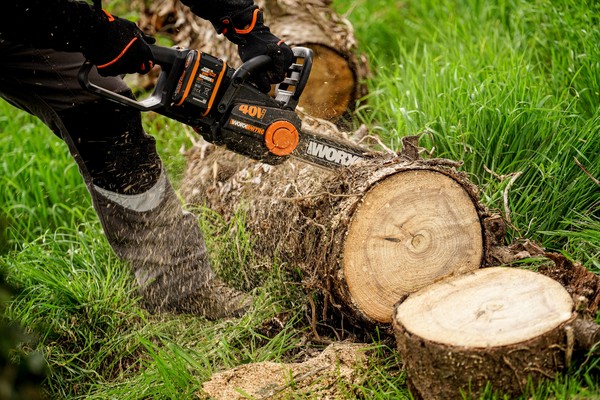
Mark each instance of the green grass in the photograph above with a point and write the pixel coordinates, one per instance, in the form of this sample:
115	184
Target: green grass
509	87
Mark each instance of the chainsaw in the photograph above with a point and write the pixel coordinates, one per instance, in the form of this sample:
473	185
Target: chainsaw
221	104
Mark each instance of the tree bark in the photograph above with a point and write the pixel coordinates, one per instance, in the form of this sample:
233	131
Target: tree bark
363	236
337	80
496	325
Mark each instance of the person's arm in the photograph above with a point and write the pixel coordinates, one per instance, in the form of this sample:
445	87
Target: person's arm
214	10
62	25
116	46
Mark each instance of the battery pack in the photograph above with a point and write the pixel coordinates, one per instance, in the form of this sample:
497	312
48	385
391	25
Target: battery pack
199	82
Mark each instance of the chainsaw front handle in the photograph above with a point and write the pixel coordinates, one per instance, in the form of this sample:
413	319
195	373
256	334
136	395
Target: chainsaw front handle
156	100
247	69
289	91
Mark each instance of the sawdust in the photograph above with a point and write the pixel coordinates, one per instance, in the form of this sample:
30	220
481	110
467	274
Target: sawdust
321	377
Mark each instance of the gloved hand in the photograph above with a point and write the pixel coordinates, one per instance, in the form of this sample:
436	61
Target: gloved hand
254	38
118	47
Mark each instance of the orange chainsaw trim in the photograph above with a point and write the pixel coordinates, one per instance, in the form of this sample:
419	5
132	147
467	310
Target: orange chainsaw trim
190	82
281	138
216	89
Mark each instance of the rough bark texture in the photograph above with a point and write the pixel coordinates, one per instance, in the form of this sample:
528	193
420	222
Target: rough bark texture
301	215
504	330
337	80
582	284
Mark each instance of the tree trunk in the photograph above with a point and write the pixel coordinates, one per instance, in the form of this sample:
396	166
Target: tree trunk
363	236
337	80
497	325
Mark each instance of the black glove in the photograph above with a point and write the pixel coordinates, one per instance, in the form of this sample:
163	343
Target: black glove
118	47
253	37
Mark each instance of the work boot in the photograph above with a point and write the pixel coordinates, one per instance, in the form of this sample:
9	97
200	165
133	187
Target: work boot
214	301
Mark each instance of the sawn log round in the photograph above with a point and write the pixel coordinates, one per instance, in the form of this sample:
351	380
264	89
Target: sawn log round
501	326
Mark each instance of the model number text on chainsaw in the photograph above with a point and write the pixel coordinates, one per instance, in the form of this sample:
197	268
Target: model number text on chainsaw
252	111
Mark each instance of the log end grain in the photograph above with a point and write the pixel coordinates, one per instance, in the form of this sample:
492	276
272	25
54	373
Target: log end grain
498	326
410	230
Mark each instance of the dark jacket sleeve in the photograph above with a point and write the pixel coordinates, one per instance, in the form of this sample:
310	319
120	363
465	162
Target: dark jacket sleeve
214	10
67	25
63	25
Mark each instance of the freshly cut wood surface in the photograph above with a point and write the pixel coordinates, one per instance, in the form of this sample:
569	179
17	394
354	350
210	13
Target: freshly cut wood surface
500	325
331	88
410	230
491	307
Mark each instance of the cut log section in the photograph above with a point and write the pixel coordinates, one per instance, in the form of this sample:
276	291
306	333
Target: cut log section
497	325
363	236
409	230
337	80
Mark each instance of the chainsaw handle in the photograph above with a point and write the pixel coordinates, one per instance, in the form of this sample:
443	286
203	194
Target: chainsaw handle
166	57
169	58
289	91
152	102
248	68
297	74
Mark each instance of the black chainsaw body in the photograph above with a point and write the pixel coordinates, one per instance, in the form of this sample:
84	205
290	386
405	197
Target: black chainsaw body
220	103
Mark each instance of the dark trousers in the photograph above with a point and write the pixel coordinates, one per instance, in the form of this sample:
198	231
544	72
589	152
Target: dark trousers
142	217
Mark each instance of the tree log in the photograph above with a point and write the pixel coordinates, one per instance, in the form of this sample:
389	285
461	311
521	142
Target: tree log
363	236
499	325
337	80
